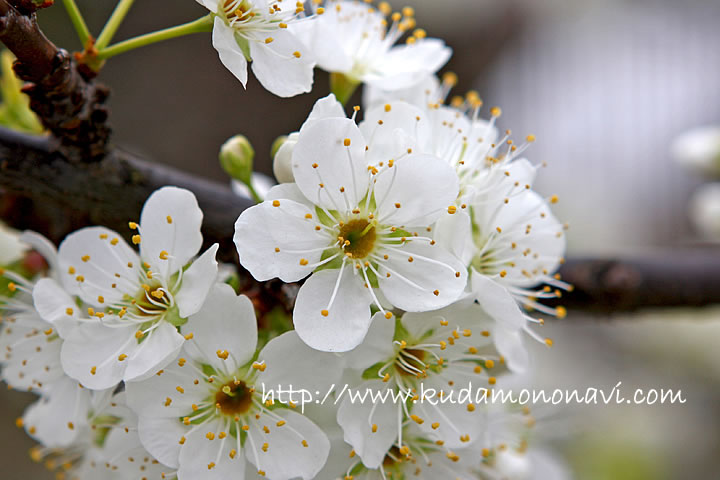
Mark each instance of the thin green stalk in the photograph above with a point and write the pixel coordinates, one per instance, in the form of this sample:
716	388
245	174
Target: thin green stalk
78	21
113	23
203	24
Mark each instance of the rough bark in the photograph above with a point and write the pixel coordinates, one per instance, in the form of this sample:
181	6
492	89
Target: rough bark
62	93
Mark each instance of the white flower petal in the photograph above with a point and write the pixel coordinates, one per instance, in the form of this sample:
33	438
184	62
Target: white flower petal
377	345
321	157
89	260
287	456
272	241
12	248
211	5
357	420
422	277
497	302
43	246
161	437
326	107
149	398
223	39
394	128
225	322
289	191
90	354
52	304
453	418
348	318
58	418
454	233
510	344
406	65
205	459
170	222
196	283
401	184
291	362
157	349
284	66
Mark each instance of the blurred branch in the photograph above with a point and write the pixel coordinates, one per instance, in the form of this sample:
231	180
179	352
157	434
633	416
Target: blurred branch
61	92
664	278
47	190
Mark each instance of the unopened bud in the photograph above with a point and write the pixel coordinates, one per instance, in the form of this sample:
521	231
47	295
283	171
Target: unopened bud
699	149
282	159
236	158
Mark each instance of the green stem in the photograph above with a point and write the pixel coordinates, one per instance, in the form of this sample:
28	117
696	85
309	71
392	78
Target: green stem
78	21
256	196
113	23
203	24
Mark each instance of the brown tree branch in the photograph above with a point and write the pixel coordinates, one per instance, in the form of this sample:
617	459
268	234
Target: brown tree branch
68	102
55	196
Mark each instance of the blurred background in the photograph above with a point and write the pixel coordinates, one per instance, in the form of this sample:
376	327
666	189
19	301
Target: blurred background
605	85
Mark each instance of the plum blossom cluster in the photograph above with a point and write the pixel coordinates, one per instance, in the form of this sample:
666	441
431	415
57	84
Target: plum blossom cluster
421	252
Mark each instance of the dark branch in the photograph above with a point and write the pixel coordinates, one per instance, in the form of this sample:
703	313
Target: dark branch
54	196
63	95
666	278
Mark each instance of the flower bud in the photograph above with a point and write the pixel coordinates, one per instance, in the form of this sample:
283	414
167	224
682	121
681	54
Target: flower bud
236	158
699	149
282	161
704	211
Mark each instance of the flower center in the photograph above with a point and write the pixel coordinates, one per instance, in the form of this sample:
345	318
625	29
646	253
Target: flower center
151	300
238	10
411	362
234	398
357	238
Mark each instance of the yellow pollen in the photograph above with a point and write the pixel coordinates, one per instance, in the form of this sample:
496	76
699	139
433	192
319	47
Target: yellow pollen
374	428
132	225
388	315
136	239
269	40
452	209
276	203
417	419
297	54
388	107
435	426
189	336
122	357
164	255
69	311
346	142
303	262
495	111
549	342
324	313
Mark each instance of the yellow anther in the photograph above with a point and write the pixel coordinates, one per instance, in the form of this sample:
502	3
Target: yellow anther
93	370
388	315
388	107
489	364
549	342
69	311
164	255
85	258
276	203
303	261
495	111
136	239
269	40
122	357
132	225
554	199
189	336
223	354
417	419
324	313
374	427
297	54
452	209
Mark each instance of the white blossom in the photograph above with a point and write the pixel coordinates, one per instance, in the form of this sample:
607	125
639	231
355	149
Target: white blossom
441	351
354	39
358	216
262	32
135	303
204	413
